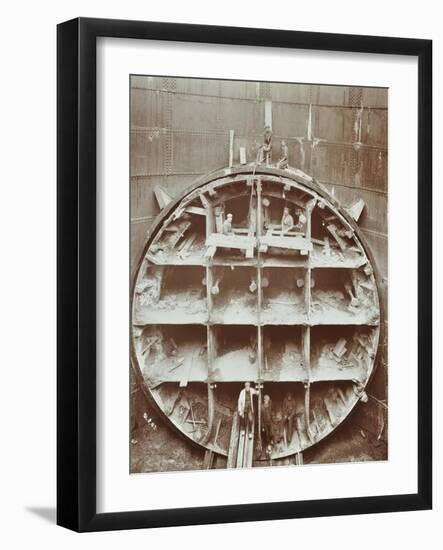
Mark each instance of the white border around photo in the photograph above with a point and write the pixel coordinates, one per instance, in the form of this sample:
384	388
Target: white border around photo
117	490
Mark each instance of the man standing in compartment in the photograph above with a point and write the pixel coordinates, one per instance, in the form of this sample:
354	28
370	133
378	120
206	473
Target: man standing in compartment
289	415
246	408
227	225
277	428
283	162
287	221
266	419
301	224
264	152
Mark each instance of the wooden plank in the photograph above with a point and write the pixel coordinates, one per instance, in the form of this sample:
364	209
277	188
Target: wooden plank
340	347
218	211
334	232
304	441
210	251
241	449
230	241
291	243
211	408
211	352
252	226
317	423
178	213
176	402
308	291
196	210
210	221
179	234
231	148
209	301
233	443
277	232
208	460
249	448
217	431
204	201
268	114
331	413
233	241
342	396
307	407
185	246
186	371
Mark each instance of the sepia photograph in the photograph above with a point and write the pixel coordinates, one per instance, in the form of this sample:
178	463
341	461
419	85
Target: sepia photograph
259	274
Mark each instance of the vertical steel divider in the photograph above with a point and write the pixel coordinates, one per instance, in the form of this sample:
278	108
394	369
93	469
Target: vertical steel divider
209	328
209	305
307	329
259	305
307	383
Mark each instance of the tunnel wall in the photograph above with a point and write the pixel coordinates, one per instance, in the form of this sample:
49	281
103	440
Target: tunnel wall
180	130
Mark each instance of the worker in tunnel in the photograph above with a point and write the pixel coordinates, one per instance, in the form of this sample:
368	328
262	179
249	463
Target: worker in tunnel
264	153
277	428
301	221
289	415
227	225
266	419
283	162
287	221
246	408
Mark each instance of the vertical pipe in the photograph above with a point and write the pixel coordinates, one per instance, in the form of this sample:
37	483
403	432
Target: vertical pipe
209	282
268	114
307	408
306	340
209	329
231	148
259	305
211	415
209	220
308	292
310	139
308	212
307	330
307	363
259	278
210	388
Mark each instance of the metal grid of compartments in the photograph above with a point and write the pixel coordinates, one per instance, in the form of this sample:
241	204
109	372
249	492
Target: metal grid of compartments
298	312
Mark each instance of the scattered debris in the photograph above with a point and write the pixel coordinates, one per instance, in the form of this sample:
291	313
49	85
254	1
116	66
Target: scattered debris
340	347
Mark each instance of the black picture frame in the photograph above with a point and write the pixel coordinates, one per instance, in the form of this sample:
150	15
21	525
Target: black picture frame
76	273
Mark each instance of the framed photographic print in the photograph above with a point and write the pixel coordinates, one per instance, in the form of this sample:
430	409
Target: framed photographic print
244	274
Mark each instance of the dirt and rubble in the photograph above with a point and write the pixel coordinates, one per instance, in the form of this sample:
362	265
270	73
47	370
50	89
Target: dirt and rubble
156	447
